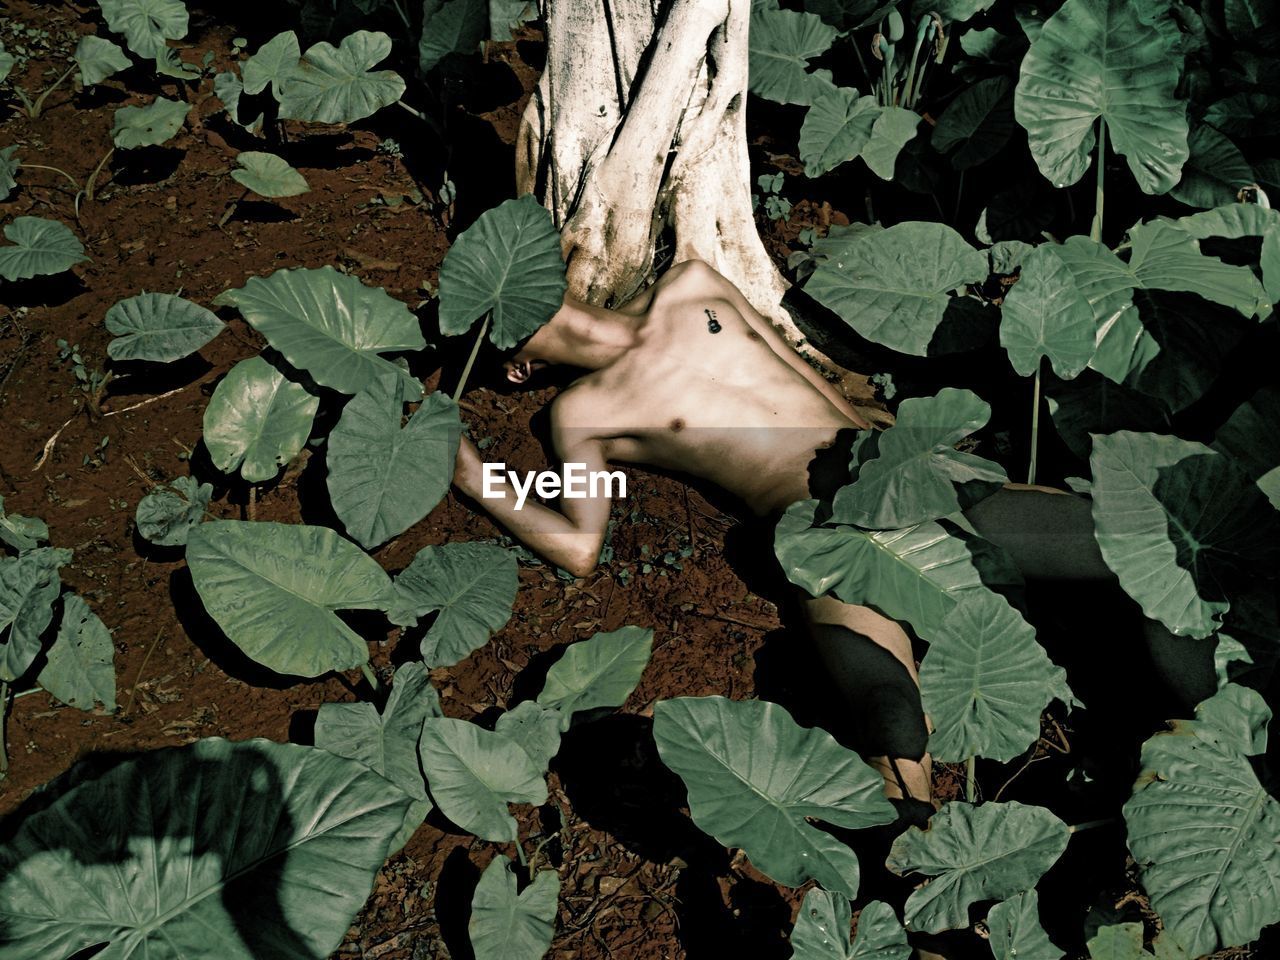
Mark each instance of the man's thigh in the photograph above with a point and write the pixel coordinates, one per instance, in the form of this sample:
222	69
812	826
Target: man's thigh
1048	535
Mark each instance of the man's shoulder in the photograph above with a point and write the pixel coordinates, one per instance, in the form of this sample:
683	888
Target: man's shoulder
693	275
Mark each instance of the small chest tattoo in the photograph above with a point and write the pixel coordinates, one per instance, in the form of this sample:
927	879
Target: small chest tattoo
713	325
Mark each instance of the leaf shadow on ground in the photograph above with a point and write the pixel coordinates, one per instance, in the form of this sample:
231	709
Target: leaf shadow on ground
54	291
251	900
144	166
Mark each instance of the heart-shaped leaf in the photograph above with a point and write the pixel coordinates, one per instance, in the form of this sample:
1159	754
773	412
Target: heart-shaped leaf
22	533
1015	931
384	478
454	27
273	589
908	473
1046	315
985	682
1108	59
272	64
836	128
268	175
600	672
338	84
889	134
232	850
79	667
29	586
473	585
166	515
159	327
822	930
40	248
977	123
896	289
507	264
329	324
1204	831
474	773
1215	171
257	420
755	778
98	58
781	43
1179	524
990	852
148	126
535	728
505	925
146	24
917	574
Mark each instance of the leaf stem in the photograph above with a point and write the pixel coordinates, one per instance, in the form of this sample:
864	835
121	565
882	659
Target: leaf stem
93	177
970	780
1095	231
4	734
905	99
1035	422
520	855
40	166
1092	824
34	111
403	16
371	678
231	208
475	350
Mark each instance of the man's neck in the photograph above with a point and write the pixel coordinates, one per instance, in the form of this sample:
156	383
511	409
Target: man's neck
588	336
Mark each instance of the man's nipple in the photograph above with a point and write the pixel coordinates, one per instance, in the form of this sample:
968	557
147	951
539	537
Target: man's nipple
676	425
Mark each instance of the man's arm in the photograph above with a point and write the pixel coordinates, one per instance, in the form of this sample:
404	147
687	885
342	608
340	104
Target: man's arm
570	537
788	353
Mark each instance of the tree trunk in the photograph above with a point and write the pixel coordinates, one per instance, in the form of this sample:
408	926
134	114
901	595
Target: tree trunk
639	123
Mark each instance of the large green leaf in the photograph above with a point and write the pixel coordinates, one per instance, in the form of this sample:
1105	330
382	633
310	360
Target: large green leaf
507	16
977	123
338	84
836	128
1204	831
1103	58
79	668
1093	404
384	478
473	585
474	773
1249	435
973	853
909	472
1179	524
506	264
387	742
600	672
535	728
895	289
917	574
29	586
845	14
1015	931
755	778
780	45
985	682
1164	257
40	248
98	58
239	851
822	930
273	589
257	420
1243	220
1215	171
272	64
268	175
454	27
22	533
329	324
146	24
159	327
166	515
889	134
506	925
1046	315
148	126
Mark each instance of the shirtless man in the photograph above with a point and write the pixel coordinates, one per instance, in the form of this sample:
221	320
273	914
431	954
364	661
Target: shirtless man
689	377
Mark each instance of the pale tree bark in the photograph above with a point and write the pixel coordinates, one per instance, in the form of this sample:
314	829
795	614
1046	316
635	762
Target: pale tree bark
639	123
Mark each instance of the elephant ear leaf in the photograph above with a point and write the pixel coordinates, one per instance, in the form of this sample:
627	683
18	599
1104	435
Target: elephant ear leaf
822	930
159	327
1015	930
38	248
1204	831
163	854
755	778
29	585
1046	315
506	925
257	420
600	672
973	853
338	84
79	667
1103	59
780	46
1179	524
